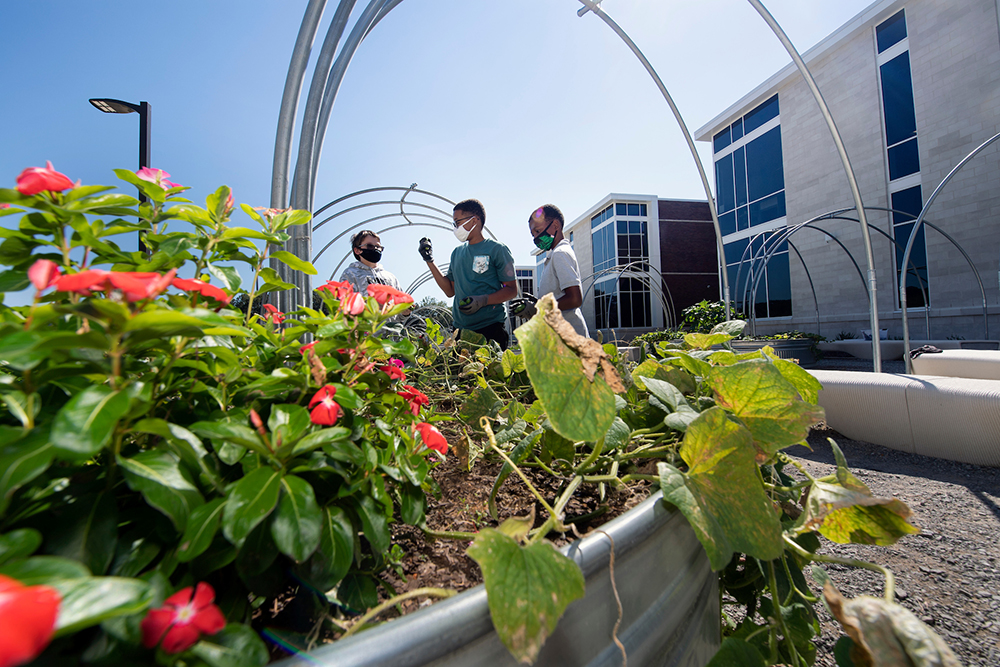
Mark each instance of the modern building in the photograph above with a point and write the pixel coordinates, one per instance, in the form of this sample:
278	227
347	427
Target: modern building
642	260
914	87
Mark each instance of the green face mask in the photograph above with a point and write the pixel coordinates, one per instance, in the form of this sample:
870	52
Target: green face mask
545	240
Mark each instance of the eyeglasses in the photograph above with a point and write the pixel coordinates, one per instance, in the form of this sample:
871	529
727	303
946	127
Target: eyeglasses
369	246
459	223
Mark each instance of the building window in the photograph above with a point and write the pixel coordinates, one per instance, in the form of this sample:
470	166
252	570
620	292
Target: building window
906	206
767	289
621	240
525	281
750	191
902	154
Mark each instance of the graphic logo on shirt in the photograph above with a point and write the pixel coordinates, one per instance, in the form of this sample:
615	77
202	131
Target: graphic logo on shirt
481	263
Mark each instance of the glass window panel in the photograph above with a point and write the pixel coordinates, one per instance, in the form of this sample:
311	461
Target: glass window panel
727	223
903	159
622	227
897	100
634	227
767	209
721	140
763	113
740	176
645	246
724	183
635	245
891	31
620	209
734	250
742	218
906	204
779	286
633	209
642	210
765	173
737	129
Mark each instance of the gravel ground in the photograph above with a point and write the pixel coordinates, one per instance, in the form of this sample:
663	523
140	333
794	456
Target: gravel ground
949	573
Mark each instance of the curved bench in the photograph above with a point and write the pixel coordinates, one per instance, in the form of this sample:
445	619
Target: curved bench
982	364
945	417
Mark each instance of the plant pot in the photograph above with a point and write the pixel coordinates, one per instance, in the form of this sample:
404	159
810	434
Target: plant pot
669	595
800	349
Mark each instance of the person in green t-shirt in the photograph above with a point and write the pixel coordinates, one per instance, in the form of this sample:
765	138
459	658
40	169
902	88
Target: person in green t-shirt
480	276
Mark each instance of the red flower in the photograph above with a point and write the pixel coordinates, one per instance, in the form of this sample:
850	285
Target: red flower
4	205
43	274
325	410
274	314
230	204
183	618
203	288
393	372
384	294
415	397
353	304
432	437
306	347
136	286
27	619
338	290
38	179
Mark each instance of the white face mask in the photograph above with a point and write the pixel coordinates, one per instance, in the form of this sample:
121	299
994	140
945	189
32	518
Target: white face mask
461	233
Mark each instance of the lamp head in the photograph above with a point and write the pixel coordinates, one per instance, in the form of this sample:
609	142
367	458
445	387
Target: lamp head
108	105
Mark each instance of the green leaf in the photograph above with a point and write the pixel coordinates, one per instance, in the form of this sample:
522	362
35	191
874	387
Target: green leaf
884	633
44	570
156	475
722	475
651	368
332	559
483	402
288	422
328	436
358	592
733	328
162	324
297	524
22	462
682	414
757	393
412	504
700	341
250	501
13	280
511	362
553	447
579	408
237	434
236	645
527	588
92	600
691	364
617	436
807	386
86	423
86	531
18	544
375	522
243	233
273	280
737	653
20	350
227	275
132	557
294	262
201	528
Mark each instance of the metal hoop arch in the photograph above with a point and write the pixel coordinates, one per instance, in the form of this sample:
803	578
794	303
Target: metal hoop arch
913	234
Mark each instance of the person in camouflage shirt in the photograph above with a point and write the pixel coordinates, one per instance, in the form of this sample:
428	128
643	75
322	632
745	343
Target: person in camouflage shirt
367	248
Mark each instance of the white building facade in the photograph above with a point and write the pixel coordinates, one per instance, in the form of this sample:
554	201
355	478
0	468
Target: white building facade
914	87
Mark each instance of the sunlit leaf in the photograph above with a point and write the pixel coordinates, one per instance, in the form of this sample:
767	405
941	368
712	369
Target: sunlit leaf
44	570
483	402
853	515
527	588
89	601
651	368
294	262
250	501
757	393
722	475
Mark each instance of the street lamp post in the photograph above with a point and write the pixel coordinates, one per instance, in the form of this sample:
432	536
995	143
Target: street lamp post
144	109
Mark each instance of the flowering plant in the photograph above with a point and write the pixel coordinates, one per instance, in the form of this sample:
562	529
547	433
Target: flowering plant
159	446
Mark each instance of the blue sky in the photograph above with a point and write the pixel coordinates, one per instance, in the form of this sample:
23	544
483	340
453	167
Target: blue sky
514	102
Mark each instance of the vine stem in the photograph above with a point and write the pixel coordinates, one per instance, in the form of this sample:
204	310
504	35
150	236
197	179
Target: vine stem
450	534
772	583
393	601
890	580
484	422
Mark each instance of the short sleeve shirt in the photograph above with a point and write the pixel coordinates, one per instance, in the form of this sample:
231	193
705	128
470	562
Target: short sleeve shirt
559	271
476	269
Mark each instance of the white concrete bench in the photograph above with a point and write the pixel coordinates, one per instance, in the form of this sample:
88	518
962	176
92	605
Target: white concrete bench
945	417
893	349
981	364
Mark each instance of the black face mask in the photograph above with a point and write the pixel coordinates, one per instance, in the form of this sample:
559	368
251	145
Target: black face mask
371	254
